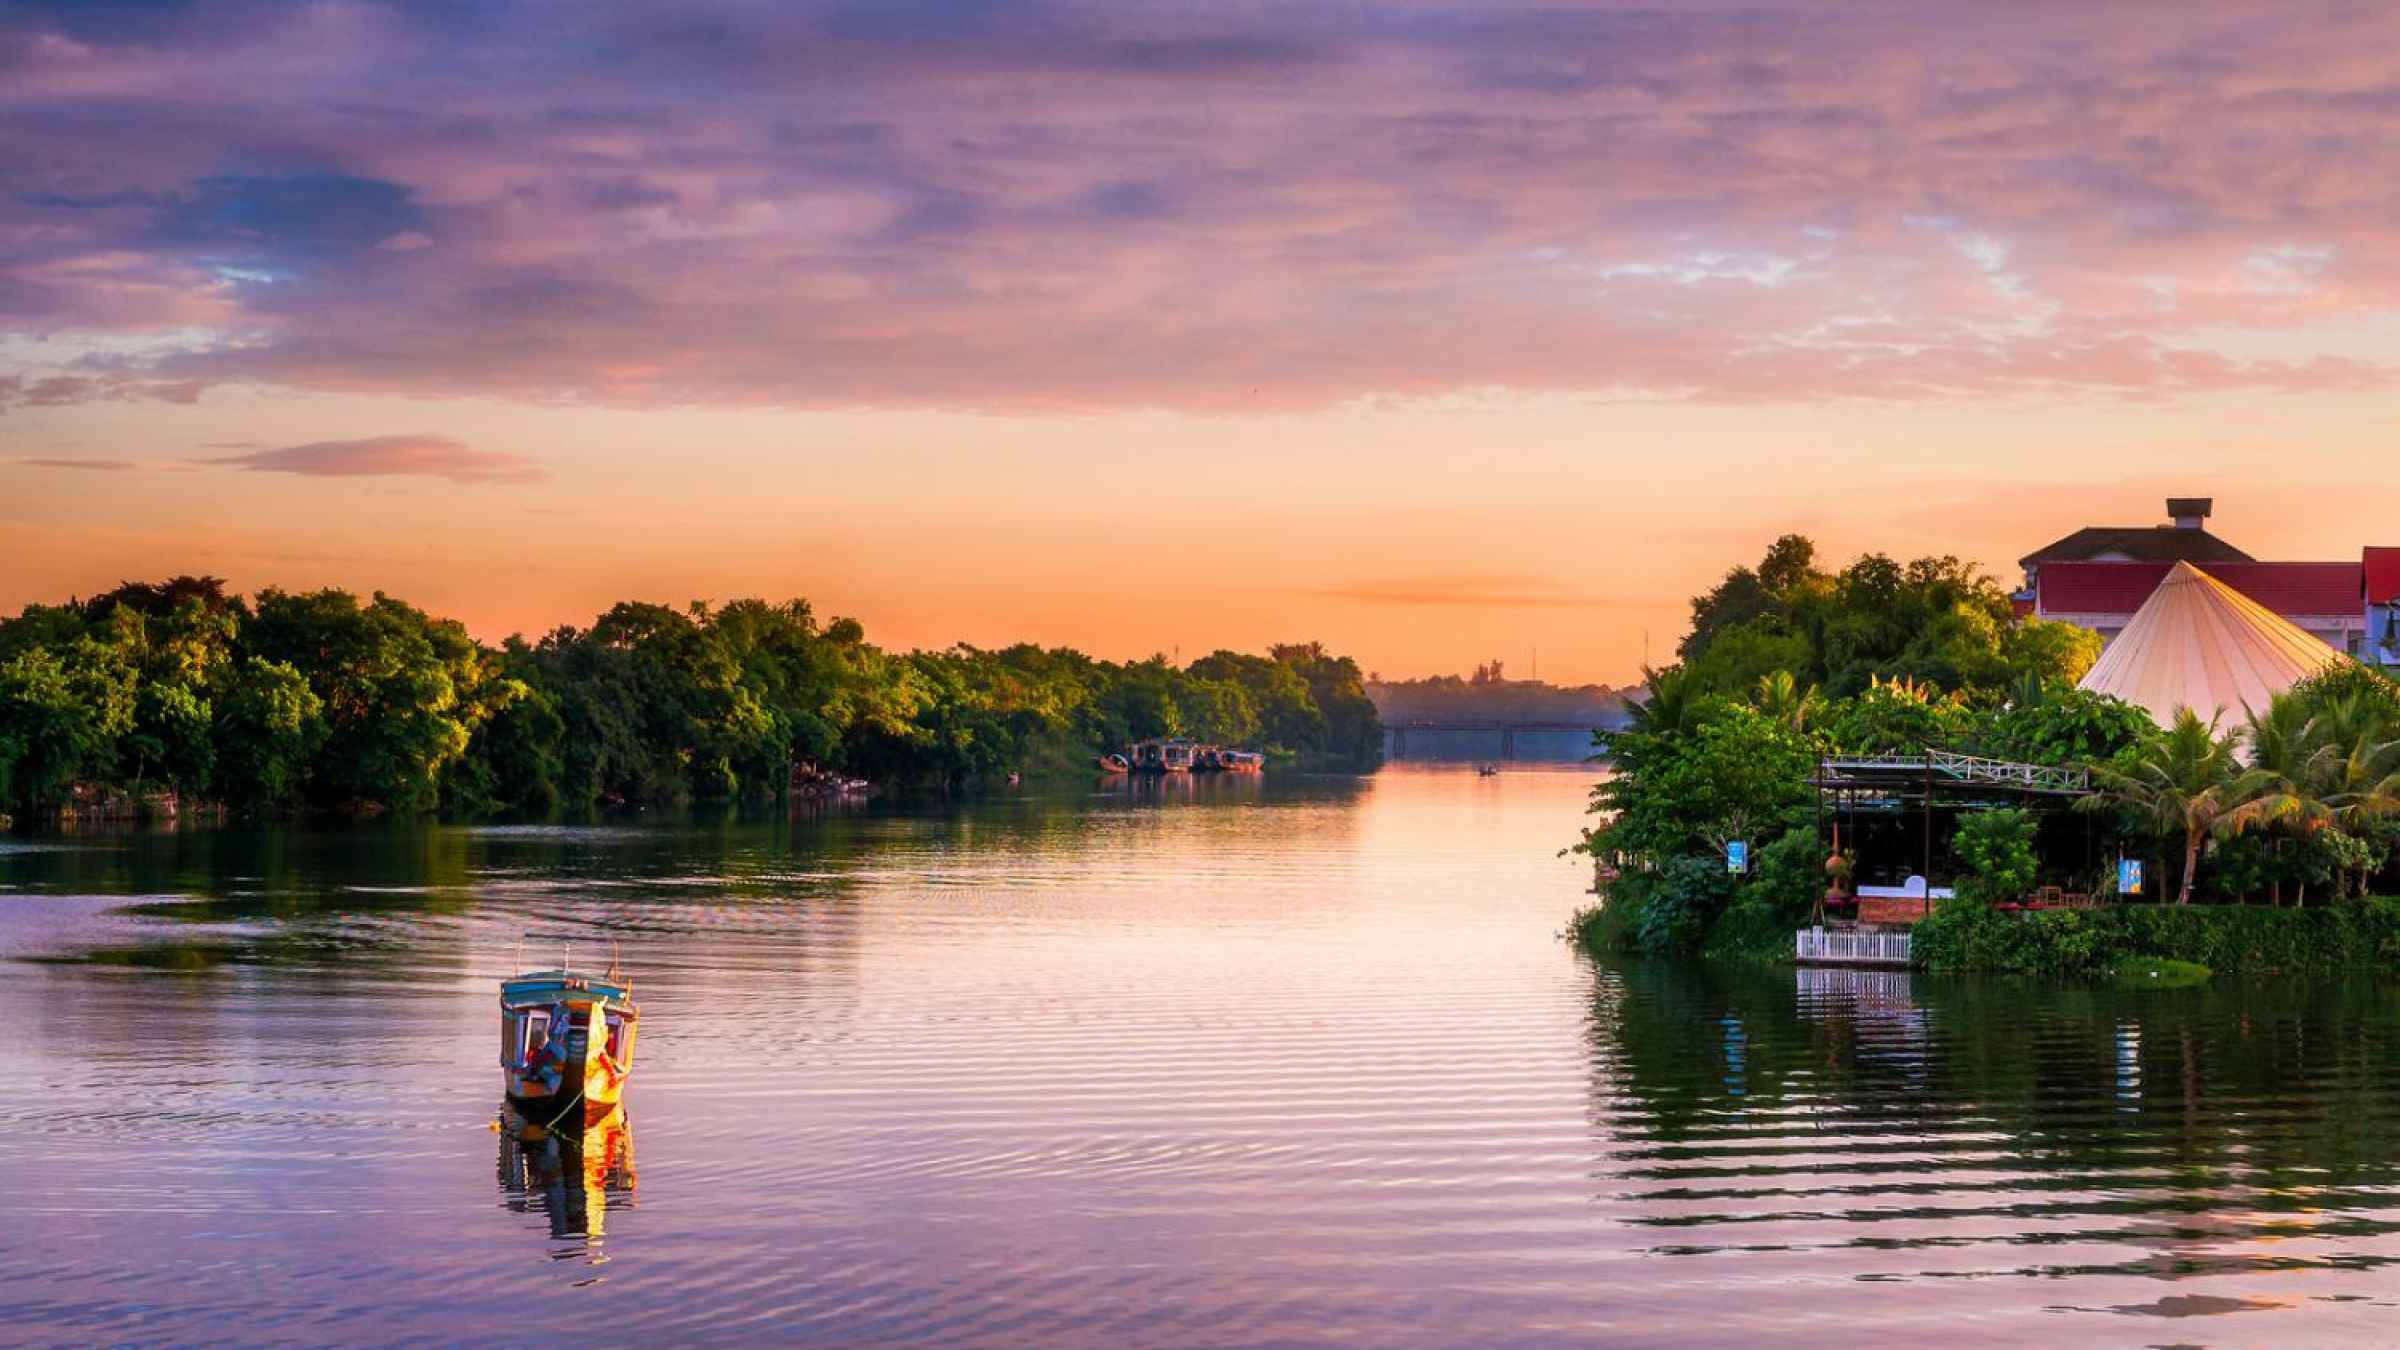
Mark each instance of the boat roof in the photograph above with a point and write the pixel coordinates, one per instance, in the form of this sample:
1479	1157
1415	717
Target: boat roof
552	986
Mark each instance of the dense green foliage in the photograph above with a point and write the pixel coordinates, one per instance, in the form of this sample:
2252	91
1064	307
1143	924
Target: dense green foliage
1787	662
1995	856
2225	938
323	701
1938	620
1696	903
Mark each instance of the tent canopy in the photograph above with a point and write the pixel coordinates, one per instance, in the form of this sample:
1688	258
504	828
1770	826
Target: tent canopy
2198	643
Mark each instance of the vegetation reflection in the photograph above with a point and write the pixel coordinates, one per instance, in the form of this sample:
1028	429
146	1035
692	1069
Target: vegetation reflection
2206	1127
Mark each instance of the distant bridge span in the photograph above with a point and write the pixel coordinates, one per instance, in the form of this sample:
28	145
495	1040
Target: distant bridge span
1396	734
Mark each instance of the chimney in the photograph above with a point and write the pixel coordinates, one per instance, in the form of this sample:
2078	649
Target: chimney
2190	513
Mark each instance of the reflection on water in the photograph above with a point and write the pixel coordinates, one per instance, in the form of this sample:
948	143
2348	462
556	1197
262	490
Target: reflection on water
1905	1131
569	1177
1230	1061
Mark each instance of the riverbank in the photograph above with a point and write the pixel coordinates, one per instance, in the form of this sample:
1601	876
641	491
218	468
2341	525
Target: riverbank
2346	936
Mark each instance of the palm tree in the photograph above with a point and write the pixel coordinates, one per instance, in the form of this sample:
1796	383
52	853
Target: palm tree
1780	697
1670	697
2360	777
2280	790
2182	780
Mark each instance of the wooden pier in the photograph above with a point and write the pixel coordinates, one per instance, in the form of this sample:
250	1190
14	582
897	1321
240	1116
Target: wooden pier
1843	947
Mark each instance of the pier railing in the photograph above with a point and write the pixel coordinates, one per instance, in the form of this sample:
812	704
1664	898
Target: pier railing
1948	768
1841	947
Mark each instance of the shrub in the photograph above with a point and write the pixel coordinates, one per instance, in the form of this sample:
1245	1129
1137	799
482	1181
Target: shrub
2359	935
1657	913
1995	853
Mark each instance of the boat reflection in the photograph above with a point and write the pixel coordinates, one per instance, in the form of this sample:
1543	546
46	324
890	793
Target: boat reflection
1184	787
571	1179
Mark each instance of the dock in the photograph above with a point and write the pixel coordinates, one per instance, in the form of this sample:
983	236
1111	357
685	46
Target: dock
1842	947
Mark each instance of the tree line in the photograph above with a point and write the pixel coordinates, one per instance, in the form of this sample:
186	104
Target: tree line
322	701
1490	696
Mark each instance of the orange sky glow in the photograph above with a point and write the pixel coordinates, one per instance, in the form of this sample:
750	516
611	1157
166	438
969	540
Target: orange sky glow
1437	333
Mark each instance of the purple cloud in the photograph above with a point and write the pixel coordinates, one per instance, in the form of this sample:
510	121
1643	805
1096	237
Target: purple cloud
1035	205
390	456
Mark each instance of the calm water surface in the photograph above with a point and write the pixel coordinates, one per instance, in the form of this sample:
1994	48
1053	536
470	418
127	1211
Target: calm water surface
1286	1062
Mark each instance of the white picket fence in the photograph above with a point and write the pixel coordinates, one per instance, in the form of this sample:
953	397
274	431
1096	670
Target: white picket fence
1834	947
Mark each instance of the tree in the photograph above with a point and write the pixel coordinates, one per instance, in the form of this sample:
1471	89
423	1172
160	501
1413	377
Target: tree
1353	731
1736	774
2277	793
269	727
60	716
2049	651
390	679
172	737
1996	850
1748	595
1780	697
2178	783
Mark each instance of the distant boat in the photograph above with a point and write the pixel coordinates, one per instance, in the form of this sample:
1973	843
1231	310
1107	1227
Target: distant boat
566	1045
1167	756
1115	764
1487	770
1241	761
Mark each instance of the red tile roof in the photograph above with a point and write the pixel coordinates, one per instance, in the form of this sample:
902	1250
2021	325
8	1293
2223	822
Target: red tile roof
2288	588
2383	575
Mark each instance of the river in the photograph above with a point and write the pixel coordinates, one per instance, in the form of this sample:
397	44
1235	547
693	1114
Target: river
1289	1061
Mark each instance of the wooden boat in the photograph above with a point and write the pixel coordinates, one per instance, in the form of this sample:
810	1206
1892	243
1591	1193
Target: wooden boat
566	1045
1115	764
1241	761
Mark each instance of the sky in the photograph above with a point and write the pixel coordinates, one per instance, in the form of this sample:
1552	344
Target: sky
1438	332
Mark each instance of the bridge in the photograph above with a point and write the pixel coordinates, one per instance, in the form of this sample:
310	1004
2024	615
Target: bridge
1396	734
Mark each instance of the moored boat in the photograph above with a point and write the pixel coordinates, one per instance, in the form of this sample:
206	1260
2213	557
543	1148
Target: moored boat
1115	764
1163	756
566	1045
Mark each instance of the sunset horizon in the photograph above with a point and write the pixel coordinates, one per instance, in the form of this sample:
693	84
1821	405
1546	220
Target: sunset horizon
1438	334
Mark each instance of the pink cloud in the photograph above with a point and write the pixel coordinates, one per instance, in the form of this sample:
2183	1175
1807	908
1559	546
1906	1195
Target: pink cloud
390	456
88	465
1065	206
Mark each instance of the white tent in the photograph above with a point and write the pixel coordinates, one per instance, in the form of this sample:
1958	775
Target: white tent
2198	643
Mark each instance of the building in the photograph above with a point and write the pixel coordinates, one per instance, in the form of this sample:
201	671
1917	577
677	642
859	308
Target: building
2100	576
2380	576
2321	599
2197	642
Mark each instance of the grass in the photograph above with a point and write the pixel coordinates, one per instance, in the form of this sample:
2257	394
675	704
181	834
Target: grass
2158	972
